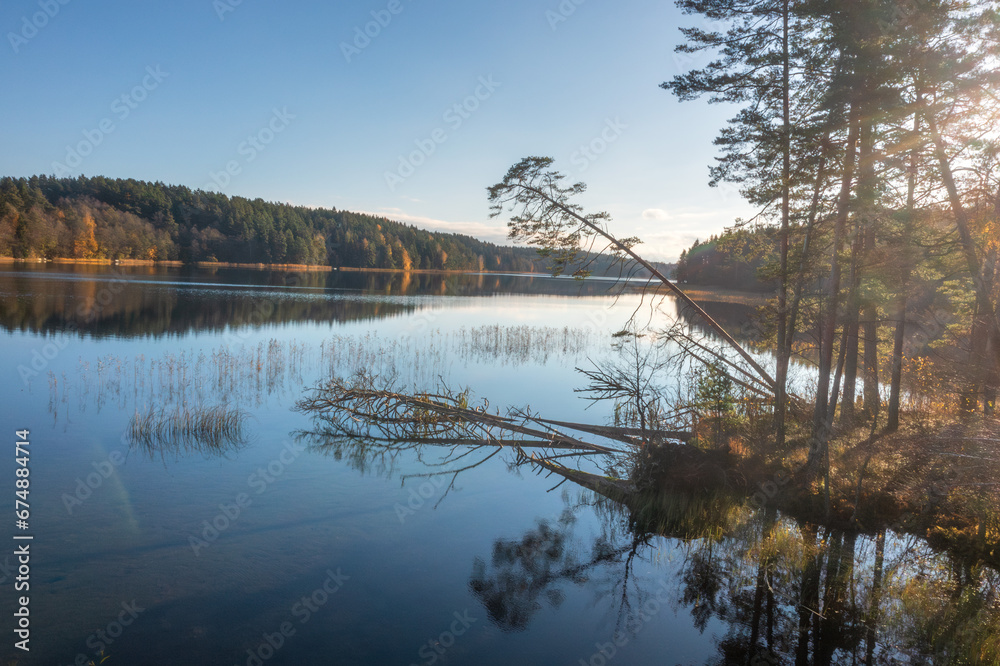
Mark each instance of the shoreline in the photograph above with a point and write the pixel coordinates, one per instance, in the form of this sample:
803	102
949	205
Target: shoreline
699	292
432	271
172	263
725	295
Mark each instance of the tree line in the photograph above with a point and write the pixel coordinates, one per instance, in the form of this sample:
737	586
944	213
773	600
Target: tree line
86	218
734	260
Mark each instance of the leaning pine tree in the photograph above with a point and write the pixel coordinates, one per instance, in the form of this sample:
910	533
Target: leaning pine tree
379	414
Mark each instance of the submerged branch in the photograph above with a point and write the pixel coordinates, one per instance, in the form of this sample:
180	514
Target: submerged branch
365	409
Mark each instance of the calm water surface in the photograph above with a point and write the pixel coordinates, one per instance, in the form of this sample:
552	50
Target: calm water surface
294	549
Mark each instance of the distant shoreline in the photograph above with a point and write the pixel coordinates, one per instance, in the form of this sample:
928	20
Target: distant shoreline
288	267
434	271
166	262
699	292
726	295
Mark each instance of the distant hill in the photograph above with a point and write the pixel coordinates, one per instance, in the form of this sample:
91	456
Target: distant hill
107	218
130	219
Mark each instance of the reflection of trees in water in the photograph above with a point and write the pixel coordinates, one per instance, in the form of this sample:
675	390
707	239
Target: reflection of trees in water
740	320
524	572
110	308
155	301
528	573
787	592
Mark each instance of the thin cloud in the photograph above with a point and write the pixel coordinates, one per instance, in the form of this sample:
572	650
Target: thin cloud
480	230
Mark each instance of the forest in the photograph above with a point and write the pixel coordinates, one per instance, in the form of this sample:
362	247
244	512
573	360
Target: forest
733	259
866	134
103	218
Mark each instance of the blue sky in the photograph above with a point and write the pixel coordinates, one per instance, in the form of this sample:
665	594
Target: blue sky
294	102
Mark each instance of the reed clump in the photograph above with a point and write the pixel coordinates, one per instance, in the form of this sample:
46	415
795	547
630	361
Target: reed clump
213	430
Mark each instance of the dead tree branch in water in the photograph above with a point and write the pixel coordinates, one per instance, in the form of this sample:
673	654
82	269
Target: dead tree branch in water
369	407
370	410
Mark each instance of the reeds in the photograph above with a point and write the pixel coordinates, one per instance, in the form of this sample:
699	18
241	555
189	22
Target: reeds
212	430
250	375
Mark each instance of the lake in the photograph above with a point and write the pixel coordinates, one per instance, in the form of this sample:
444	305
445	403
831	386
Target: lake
294	547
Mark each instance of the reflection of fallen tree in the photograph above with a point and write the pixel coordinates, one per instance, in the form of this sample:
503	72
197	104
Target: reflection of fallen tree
784	590
370	411
523	575
368	407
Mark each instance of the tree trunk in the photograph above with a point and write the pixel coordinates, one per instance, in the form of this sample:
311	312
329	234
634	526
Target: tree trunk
899	336
838	374
993	376
976	375
986	314
872	400
867	198
851	330
852	318
895	381
992	371
961	219
821	424
871	622
793	311
783	357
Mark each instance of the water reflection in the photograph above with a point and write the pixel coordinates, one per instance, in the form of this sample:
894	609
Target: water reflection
213	431
130	305
137	301
525	573
786	592
769	588
249	375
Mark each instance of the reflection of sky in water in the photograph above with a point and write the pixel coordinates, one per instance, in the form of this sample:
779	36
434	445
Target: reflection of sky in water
130	536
